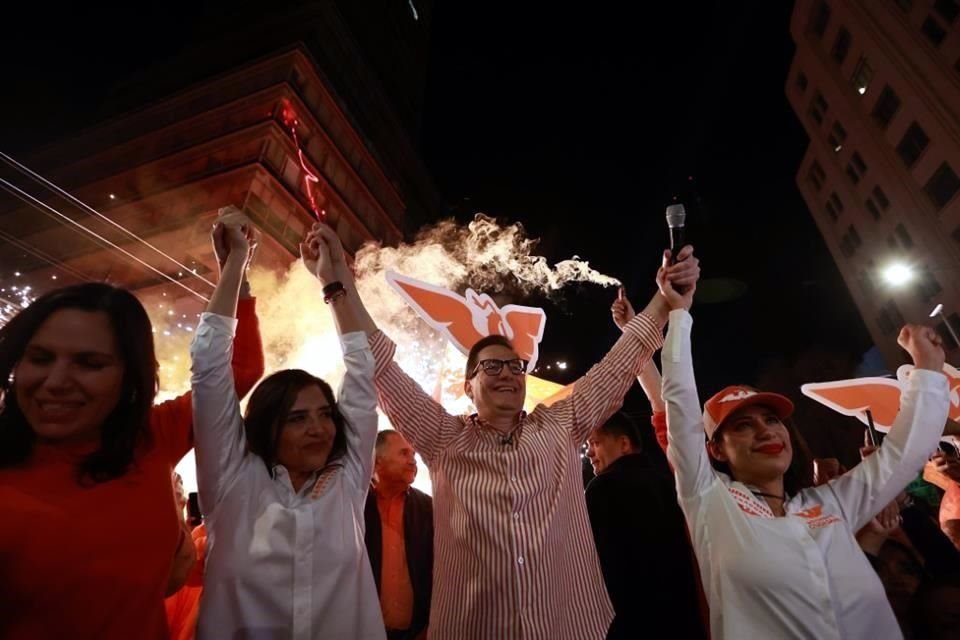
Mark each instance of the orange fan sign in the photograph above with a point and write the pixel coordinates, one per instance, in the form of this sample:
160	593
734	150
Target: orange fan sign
465	319
880	395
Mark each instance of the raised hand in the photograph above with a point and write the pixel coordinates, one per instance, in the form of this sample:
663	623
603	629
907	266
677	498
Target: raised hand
323	254
924	345
621	309
683	276
233	234
947	465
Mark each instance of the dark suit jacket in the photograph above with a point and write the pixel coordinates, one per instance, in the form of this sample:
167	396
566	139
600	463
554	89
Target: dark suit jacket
418	541
644	551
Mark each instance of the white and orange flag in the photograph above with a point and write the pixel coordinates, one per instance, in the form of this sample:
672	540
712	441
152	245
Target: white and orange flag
466	319
881	396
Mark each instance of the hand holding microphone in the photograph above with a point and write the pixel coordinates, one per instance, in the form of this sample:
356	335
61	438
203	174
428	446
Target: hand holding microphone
676	217
677	278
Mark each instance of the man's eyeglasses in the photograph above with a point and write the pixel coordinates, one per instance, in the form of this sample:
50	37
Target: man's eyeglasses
493	366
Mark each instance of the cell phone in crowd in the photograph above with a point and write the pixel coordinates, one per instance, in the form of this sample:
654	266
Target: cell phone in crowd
194	517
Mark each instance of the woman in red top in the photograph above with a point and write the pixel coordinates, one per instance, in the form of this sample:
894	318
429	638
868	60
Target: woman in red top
89	525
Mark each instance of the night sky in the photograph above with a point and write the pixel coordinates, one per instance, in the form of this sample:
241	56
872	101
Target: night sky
585	124
582	124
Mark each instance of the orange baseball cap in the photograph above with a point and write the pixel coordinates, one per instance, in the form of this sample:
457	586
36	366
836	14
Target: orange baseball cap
722	404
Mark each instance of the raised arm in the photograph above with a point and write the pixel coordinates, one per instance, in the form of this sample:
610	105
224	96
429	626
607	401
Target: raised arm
864	490
323	256
172	420
412	412
649	378
218	426
600	392
687	450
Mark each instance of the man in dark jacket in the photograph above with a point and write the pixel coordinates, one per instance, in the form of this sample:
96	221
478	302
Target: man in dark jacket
641	539
399	538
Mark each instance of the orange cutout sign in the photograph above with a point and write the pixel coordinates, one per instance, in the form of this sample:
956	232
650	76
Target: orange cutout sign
465	319
880	395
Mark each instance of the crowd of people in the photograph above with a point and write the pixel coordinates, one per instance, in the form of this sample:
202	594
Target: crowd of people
311	528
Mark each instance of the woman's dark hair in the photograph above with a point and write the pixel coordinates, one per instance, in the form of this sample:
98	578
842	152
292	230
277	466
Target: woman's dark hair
269	405
128	425
799	474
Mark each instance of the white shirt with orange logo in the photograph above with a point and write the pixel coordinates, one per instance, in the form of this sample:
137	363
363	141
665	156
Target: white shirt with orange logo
803	575
282	563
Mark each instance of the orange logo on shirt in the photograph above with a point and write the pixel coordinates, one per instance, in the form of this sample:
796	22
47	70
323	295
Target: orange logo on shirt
812	512
815	518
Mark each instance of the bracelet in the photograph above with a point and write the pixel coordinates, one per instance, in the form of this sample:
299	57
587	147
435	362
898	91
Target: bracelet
333	291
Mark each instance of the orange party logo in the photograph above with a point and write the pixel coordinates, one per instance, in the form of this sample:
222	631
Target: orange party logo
466	319
881	396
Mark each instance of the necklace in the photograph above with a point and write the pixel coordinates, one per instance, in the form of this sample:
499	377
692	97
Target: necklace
782	498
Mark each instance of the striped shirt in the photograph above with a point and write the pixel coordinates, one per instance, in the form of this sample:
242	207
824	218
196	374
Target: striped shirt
515	558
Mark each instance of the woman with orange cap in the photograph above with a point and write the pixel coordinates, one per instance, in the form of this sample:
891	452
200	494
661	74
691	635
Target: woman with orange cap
778	557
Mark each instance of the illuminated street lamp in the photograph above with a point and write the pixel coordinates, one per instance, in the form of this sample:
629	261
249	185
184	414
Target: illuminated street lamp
898	274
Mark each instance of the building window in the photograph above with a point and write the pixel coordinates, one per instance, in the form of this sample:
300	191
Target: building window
906	242
818	107
948	9
837	203
928	285
820	19
834	214
888	103
834	206
862	75
912	145
942	186
816	175
934	32
890	319
881	198
837	136
841	46
856	168
850	242
802	82
854	237
877	203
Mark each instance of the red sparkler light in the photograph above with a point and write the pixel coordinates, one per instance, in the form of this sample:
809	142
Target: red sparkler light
289	118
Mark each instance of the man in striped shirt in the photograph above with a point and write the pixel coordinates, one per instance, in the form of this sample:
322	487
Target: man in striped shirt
514	553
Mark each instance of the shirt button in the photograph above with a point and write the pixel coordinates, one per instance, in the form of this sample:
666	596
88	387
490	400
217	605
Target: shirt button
520	561
516	515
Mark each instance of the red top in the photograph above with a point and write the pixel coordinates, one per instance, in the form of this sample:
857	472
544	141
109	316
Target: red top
93	561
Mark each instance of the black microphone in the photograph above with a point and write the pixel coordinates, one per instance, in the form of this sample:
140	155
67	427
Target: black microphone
507	439
676	216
